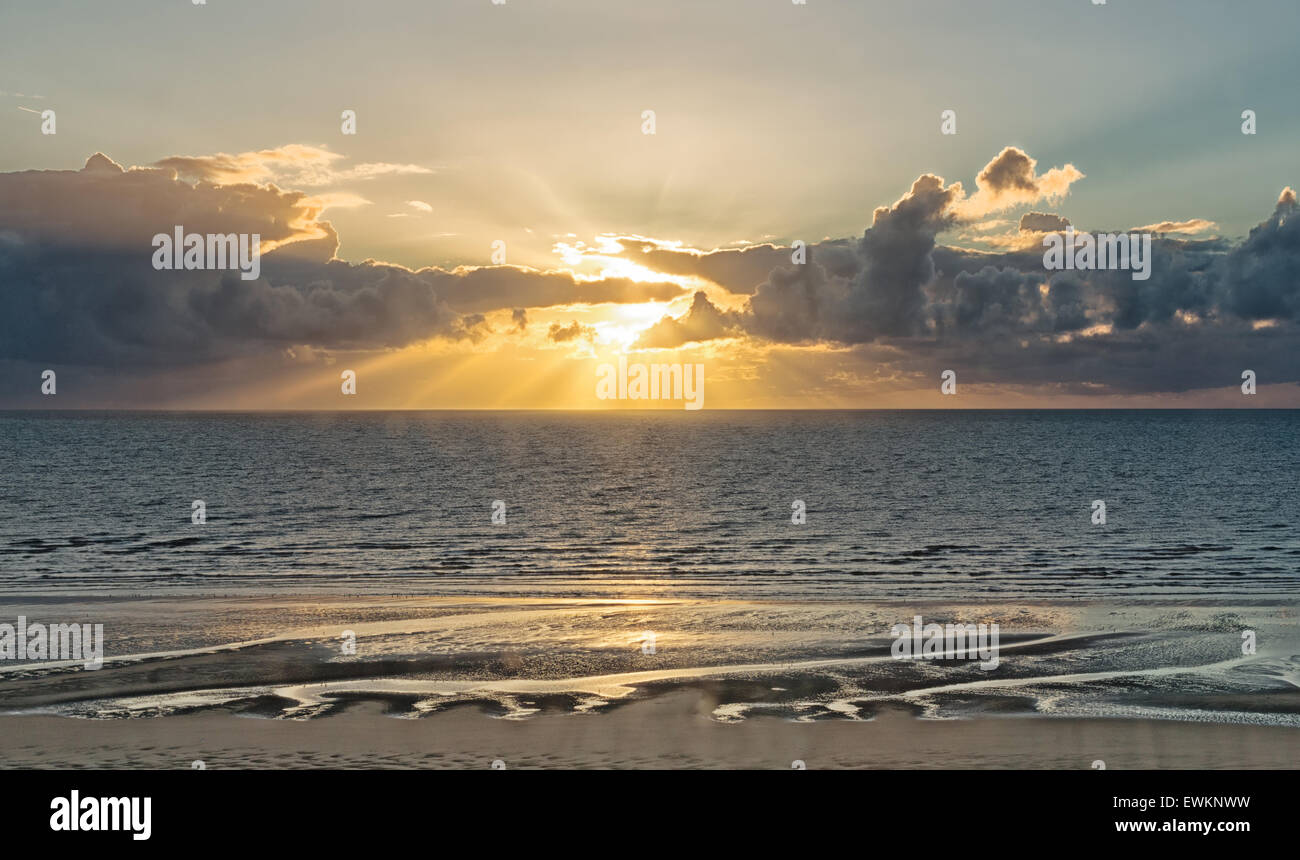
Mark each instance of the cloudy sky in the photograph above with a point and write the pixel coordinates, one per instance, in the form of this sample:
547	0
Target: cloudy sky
523	124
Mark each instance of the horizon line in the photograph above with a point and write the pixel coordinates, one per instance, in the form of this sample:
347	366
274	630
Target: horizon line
235	411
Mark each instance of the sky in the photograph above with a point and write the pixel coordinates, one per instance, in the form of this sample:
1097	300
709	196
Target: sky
520	129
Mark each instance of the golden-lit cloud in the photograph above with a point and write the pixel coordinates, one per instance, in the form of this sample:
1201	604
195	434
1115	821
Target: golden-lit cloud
1011	180
1195	225
294	164
865	320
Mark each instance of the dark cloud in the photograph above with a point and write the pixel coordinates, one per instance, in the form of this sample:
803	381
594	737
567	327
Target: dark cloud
1042	222
104	308
740	270
77	287
499	287
1209	306
1262	277
1009	179
573	331
704	321
882	296
77	284
1012	170
105	207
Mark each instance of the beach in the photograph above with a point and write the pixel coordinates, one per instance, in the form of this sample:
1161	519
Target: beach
674	732
646	590
455	682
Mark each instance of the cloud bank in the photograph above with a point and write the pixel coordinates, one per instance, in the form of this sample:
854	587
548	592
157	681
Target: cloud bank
1211	308
77	285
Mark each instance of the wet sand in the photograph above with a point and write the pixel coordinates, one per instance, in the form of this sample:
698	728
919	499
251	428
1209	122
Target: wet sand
452	682
670	732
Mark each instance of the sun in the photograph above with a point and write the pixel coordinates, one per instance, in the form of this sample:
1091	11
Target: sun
619	267
625	323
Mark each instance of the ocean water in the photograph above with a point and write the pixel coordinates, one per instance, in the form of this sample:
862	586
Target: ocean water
951	504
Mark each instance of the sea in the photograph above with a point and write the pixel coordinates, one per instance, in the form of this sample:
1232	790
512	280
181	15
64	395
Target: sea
709	504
